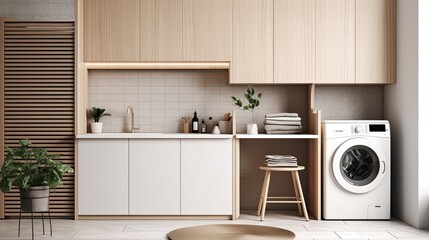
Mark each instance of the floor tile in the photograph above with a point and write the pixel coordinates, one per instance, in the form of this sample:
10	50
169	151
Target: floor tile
365	235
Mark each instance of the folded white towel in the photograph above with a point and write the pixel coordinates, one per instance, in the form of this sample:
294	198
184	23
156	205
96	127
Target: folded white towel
284	132
281	127
280	156
286	123
283	118
271	115
281	164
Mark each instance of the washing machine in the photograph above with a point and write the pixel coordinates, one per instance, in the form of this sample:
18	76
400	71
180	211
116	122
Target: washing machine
356	170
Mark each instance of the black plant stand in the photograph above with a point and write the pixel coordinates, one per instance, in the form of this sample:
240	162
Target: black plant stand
32	225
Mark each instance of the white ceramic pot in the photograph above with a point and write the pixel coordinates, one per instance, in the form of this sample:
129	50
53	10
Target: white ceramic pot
96	127
252	129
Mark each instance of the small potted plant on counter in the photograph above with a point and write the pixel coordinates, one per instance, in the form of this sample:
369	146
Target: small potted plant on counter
34	172
97	113
252	128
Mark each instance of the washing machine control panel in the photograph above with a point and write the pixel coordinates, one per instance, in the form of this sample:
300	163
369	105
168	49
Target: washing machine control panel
364	128
358	129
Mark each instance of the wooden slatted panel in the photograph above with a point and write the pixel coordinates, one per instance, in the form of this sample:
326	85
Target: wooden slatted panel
39	99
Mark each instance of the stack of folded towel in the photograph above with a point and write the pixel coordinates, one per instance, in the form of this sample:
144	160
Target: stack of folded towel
282	123
281	161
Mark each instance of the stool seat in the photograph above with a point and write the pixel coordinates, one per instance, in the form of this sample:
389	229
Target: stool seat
282	169
298	198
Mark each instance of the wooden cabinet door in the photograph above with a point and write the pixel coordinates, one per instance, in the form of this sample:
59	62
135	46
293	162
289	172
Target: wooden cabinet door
207	30
294	41
103	177
375	41
154	177
252	41
206	177
335	41
161	30
111	30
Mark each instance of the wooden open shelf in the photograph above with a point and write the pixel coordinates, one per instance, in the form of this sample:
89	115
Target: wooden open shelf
314	157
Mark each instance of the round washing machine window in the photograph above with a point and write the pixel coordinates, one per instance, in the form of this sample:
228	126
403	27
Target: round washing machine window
358	165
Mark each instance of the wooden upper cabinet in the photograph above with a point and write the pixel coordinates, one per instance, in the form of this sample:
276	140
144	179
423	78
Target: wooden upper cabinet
294	41
111	30
161	30
207	30
375	41
335	41
252	41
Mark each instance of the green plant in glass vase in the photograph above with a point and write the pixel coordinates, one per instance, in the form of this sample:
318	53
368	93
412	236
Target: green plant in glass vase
253	101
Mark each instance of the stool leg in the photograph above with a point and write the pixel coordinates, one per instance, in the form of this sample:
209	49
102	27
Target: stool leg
264	203
261	197
301	194
296	193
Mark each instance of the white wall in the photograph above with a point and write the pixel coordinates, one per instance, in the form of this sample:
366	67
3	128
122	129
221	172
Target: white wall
423	114
404	107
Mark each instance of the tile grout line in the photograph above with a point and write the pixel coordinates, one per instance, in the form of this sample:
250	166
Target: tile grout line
305	228
337	234
392	234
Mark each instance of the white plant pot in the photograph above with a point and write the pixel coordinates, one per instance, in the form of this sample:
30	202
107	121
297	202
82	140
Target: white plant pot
96	127
252	129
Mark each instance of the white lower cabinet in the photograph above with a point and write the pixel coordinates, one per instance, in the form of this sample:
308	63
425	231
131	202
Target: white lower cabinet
103	176
154	176
206	179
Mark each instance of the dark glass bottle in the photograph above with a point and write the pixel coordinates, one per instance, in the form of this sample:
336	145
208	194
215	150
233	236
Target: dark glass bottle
195	123
203	127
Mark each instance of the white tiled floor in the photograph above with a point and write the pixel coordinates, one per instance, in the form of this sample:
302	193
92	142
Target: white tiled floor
157	229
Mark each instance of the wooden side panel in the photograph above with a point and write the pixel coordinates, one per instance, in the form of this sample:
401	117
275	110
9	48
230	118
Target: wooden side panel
112	30
252	41
2	107
161	29
314	166
207	30
39	99
375	41
335	41
294	41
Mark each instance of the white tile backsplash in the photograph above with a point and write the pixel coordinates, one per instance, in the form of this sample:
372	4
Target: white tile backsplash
161	98
354	102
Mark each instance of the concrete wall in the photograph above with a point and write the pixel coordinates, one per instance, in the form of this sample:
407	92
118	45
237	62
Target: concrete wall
405	108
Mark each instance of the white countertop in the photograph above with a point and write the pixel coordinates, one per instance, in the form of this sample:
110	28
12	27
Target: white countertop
277	136
154	136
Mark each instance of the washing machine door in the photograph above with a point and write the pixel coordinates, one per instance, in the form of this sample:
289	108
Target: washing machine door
359	165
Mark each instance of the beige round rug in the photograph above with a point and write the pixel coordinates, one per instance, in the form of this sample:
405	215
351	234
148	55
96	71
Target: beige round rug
231	232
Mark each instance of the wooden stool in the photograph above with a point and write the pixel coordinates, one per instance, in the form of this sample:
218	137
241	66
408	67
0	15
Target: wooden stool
299	196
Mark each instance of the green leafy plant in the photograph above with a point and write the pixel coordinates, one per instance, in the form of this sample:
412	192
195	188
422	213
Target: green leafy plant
252	102
97	113
26	166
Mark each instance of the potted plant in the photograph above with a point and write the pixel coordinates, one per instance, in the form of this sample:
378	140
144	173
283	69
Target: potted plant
252	128
34	172
97	113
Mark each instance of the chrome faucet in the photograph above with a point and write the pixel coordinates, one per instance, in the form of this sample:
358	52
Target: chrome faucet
131	110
